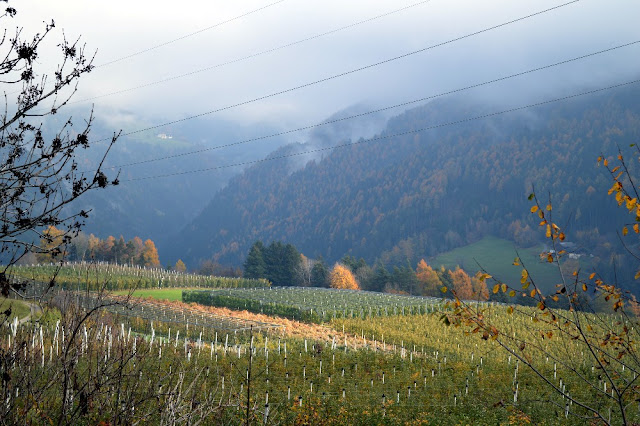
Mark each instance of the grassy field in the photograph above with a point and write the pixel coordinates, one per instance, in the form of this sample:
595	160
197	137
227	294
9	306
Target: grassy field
496	255
18	308
160	294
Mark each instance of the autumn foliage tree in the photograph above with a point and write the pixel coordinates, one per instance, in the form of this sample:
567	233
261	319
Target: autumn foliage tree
480	290
342	278
428	279
180	266
149	255
51	244
461	284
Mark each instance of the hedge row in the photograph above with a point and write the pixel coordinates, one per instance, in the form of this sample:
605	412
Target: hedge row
209	298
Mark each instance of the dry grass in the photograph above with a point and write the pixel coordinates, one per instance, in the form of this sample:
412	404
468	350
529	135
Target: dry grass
291	328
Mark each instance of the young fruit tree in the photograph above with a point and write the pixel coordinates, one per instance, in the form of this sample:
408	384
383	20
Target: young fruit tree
580	340
39	173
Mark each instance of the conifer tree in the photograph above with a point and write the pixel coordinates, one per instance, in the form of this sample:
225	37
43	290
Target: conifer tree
254	265
380	279
320	274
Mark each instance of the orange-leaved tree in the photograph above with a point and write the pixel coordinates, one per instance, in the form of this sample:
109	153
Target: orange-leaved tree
461	284
428	278
149	256
342	278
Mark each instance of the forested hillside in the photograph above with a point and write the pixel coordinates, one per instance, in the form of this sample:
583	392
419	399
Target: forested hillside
406	197
151	206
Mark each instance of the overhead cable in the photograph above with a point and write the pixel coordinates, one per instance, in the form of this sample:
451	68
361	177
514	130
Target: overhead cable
346	73
254	55
149	49
403	104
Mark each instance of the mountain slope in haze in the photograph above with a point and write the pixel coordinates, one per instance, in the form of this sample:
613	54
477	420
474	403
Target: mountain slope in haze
149	207
423	193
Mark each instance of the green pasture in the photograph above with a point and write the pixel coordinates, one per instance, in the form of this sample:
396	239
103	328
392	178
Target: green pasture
496	256
18	309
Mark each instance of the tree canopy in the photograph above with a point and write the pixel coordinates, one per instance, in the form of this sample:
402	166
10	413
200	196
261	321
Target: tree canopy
342	278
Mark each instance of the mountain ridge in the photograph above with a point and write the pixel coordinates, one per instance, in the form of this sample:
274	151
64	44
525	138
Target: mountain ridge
426	192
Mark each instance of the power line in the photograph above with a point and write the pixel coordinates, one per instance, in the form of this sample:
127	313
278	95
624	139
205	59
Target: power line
254	55
345	73
383	137
407	103
149	49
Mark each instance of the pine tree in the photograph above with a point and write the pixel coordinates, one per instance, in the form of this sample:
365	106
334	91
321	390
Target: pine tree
320	274
291	265
118	250
254	265
381	278
282	262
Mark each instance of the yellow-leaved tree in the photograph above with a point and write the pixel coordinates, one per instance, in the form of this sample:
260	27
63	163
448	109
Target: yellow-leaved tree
51	244
180	266
149	255
428	278
342	278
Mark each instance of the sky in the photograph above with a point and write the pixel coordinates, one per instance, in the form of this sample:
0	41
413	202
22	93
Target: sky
117	29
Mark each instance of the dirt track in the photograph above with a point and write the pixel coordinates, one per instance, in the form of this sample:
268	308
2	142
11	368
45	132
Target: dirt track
35	309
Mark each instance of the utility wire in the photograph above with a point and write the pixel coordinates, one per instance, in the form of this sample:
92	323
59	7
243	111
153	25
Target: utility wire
407	103
345	73
254	55
383	137
149	49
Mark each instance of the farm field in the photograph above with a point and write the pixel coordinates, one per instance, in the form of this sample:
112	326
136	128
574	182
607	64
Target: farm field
122	277
495	256
388	370
385	359
314	304
174	294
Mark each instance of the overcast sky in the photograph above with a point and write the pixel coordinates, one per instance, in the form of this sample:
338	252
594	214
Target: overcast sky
118	28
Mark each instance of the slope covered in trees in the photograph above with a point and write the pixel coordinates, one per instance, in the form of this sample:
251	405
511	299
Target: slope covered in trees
399	198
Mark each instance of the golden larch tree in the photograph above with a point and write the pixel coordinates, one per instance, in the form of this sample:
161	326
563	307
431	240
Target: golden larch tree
51	242
150	255
180	266
461	284
480	290
428	278
342	278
